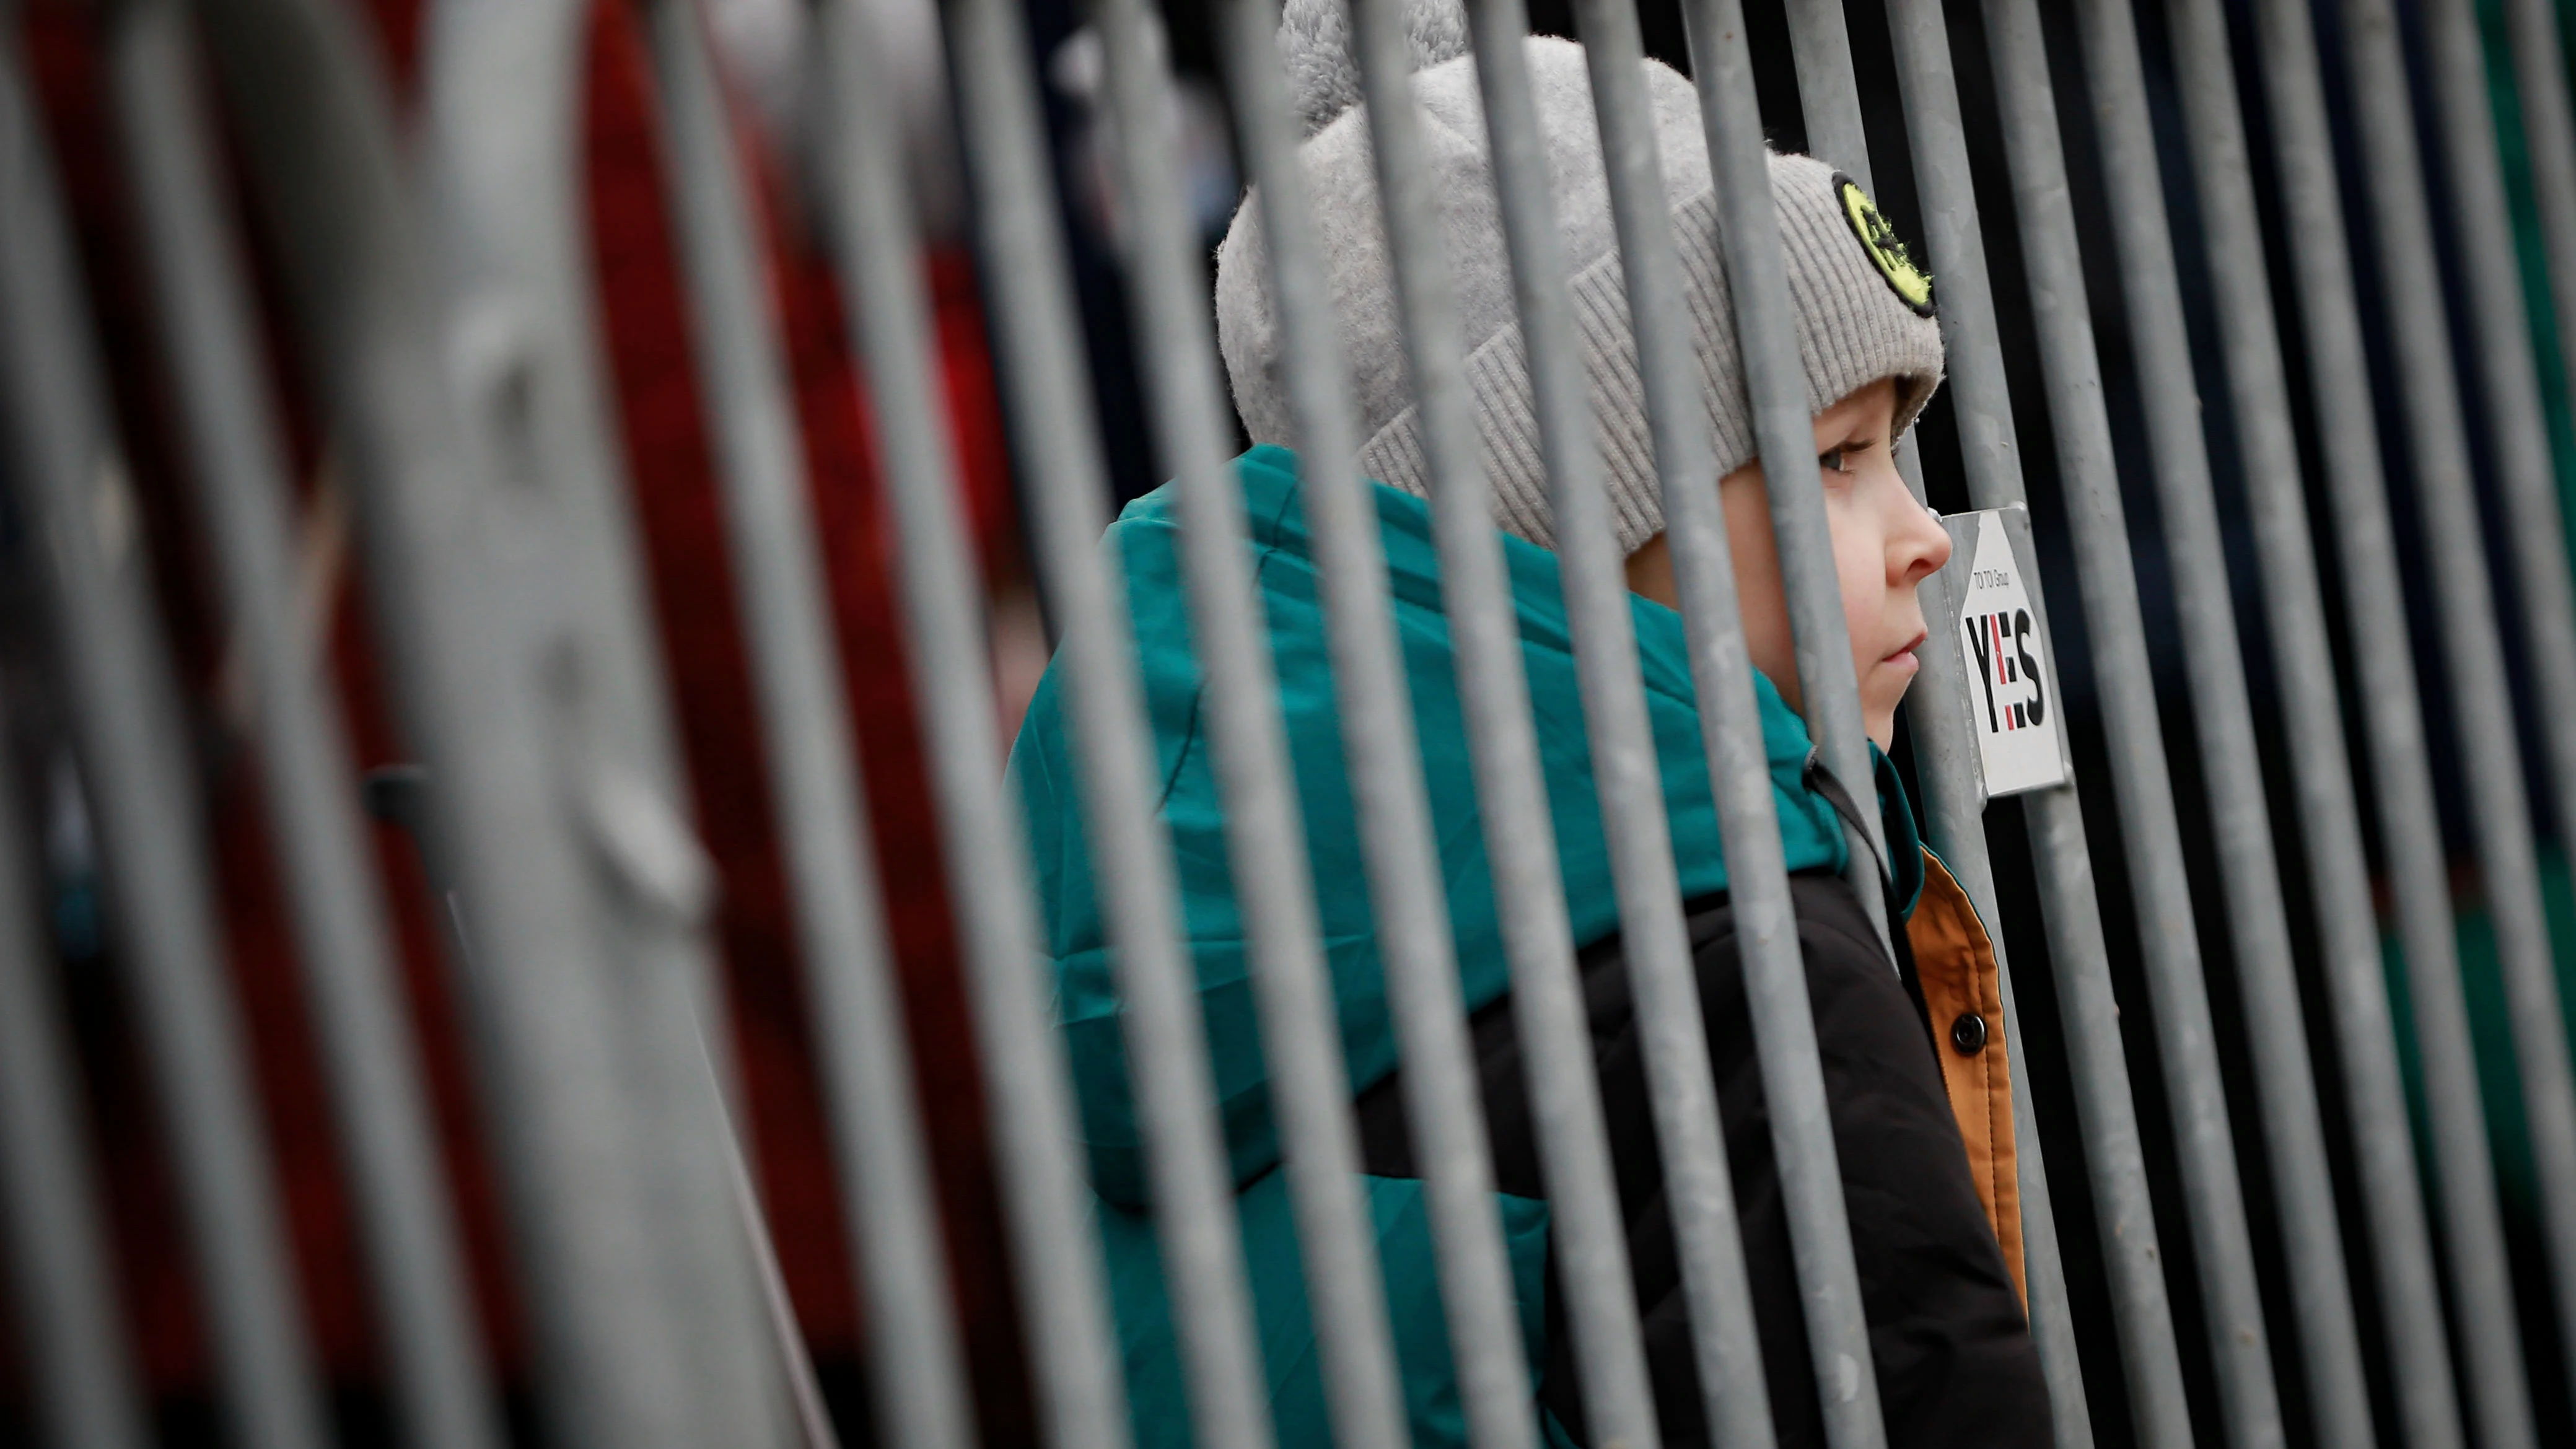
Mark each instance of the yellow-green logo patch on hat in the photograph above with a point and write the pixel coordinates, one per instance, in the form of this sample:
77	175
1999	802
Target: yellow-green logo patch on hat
1912	284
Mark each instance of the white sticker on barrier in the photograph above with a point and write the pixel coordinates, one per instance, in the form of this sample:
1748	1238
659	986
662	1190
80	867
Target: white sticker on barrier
2012	690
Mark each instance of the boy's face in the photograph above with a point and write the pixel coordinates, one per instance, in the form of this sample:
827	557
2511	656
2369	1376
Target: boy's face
1885	543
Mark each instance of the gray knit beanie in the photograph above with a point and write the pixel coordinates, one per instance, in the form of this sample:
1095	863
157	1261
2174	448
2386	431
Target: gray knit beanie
1864	313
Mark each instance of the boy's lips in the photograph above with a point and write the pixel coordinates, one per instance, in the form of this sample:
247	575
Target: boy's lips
1906	650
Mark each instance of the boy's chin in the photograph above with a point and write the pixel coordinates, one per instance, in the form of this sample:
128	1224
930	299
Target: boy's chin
1878	708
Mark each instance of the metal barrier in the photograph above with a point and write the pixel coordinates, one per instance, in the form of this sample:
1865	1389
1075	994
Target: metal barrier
438	301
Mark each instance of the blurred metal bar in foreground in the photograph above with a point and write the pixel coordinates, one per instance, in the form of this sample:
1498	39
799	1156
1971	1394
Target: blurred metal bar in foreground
85	531
485	696
2332	841
504	145
59	1276
502	168
442	1385
860	1039
1029	1115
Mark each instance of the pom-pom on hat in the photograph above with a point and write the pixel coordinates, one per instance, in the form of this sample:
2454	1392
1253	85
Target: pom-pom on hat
1863	311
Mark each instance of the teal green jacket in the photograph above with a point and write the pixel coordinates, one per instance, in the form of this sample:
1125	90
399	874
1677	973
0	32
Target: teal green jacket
1144	544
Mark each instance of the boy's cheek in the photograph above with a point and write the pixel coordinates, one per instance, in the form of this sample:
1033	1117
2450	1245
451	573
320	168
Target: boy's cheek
1867	597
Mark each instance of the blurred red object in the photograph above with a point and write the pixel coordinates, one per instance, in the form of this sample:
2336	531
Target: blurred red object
664	437
675	491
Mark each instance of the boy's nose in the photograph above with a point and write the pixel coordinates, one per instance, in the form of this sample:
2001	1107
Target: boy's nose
1919	545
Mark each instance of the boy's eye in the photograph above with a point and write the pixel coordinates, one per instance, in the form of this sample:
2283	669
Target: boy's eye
1832	460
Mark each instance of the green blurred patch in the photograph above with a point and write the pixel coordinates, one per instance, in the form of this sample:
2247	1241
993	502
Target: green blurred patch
2490	1026
2531	244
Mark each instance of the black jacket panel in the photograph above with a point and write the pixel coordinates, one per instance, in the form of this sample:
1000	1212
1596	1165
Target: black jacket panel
1954	1360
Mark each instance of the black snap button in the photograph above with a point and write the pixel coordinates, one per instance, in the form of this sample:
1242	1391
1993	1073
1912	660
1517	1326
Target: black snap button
1968	1034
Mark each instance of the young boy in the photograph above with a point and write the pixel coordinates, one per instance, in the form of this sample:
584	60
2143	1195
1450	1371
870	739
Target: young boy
1923	1127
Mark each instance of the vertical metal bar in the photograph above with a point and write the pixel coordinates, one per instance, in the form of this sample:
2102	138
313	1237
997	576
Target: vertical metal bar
804	1391
1830	700
492	705
2114	1153
815	786
1829	102
2240	819
1193	1196
1952	776
503	167
1590	1244
2321	771
1049	400
1023	1059
2549	132
1828	90
2410	828
85	1388
2212	1191
1168	281
124	701
1929	90
1589	1232
1475	598
1654	934
1167	285
1947	764
1945	759
442	1384
2510	388
1757	884
1829	99
2527	473
2483	710
807	737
